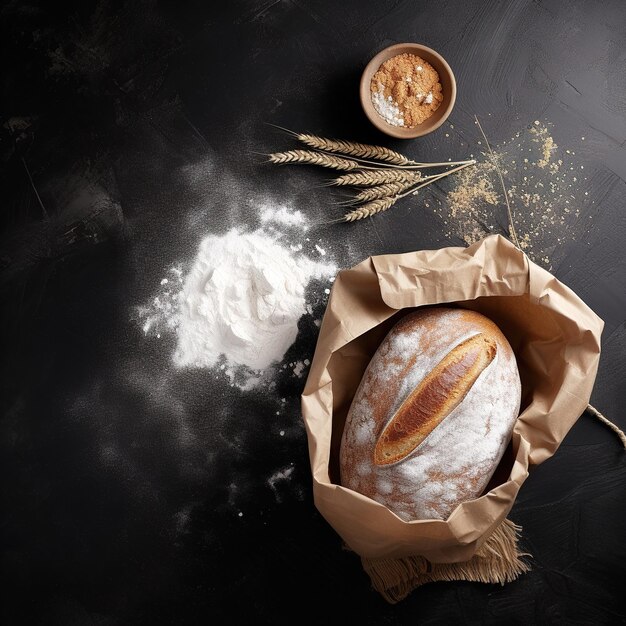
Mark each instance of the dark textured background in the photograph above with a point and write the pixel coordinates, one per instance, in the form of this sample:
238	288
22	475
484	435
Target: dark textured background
140	124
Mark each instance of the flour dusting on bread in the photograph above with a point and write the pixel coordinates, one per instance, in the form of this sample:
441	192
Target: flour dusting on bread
457	457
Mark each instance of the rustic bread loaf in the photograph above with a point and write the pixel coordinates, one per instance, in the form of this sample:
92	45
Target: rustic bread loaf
433	414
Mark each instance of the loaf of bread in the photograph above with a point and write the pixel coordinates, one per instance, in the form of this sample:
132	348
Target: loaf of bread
433	413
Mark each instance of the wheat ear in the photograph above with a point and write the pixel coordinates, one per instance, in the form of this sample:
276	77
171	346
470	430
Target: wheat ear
377	177
370	208
313	158
353	148
380	191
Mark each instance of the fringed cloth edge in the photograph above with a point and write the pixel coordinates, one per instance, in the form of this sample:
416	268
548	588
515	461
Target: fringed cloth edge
498	560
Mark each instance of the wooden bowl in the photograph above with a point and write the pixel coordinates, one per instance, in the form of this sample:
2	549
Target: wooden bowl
448	89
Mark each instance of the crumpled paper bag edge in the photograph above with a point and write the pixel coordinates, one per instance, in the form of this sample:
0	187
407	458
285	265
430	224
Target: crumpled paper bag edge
456	538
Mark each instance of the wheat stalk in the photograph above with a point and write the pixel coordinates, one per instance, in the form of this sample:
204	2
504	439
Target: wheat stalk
388	174
382	204
377	177
314	158
506	195
353	148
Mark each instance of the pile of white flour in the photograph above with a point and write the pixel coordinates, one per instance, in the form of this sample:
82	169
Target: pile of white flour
242	298
238	306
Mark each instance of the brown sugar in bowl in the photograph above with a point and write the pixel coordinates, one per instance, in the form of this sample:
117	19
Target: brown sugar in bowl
448	90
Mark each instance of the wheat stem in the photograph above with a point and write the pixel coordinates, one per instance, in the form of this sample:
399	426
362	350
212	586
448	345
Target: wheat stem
368	164
506	195
445	163
436	177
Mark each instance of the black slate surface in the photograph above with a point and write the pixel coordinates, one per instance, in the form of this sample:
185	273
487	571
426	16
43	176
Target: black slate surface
132	129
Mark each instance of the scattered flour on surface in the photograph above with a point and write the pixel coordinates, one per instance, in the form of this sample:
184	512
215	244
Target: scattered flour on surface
282	215
281	476
544	189
237	308
161	312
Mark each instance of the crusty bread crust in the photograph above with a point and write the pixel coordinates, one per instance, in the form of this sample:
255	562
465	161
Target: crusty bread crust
434	398
433	413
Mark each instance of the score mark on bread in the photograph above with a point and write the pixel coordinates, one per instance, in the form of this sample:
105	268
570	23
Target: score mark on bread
434	398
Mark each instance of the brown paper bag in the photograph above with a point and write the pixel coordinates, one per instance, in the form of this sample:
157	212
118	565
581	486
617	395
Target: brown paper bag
556	338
